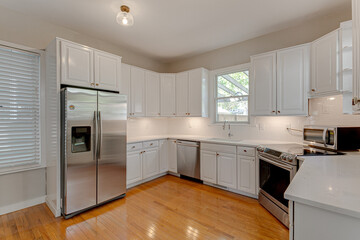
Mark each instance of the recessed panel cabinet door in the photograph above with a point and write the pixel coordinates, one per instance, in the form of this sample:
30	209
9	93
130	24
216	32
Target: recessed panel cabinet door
150	163
172	157
324	68
125	84
293	75
226	170
196	83
164	162
76	65
152	80
182	94
107	71
208	166
263	90
167	95
133	167
137	92
246	174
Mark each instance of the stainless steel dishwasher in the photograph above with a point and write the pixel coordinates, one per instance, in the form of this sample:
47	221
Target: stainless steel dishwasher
188	158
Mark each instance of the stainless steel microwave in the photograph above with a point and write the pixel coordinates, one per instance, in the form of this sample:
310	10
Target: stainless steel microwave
335	138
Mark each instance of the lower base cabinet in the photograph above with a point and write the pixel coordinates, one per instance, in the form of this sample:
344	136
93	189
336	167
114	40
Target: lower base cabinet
172	156
208	166
150	163
133	167
164	156
246	174
226	170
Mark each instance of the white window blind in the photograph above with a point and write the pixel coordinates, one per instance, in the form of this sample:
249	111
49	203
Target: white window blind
19	108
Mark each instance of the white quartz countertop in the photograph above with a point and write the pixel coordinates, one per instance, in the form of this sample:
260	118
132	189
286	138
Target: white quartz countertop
328	182
227	141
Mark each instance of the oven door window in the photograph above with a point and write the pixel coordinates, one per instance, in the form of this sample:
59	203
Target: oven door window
274	180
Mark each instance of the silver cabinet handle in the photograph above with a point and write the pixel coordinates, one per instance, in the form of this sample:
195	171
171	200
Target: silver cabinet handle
95	140
100	134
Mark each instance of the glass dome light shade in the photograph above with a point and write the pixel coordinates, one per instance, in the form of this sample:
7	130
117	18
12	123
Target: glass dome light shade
125	19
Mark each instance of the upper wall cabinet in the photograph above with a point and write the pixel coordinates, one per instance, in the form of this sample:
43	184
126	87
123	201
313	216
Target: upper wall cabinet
279	82
152	93
192	93
137	92
86	67
167	94
324	65
356	57
125	84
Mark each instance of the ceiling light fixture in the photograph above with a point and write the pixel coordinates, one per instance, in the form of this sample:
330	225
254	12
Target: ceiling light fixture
124	17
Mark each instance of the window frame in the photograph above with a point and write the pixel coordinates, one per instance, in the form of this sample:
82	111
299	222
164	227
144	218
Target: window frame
214	93
42	72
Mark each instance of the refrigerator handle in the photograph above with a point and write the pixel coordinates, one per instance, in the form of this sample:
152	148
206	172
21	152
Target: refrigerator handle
99	135
95	135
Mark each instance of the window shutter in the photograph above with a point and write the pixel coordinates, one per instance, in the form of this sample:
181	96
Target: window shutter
19	108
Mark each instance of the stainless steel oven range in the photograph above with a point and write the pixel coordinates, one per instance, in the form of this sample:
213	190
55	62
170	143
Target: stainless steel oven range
278	166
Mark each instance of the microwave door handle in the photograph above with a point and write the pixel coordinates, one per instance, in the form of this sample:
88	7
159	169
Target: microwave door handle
324	136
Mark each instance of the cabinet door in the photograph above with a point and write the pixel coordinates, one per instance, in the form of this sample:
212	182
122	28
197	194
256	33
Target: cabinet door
196	83
133	167
226	170
150	163
164	162
107	71
324	69
263	84
208	166
293	67
137	92
125	84
172	158
77	65
152	93
167	95
182	94
246	174
356	53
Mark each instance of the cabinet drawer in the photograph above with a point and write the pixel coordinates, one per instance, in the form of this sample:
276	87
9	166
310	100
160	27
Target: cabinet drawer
134	146
246	151
218	148
150	144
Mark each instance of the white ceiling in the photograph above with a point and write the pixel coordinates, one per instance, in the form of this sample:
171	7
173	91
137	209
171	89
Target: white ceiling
169	30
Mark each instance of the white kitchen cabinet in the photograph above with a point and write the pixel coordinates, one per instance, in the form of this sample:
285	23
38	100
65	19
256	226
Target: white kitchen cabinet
226	170
263	84
133	167
164	155
137	87
324	65
182	94
208	166
151	162
192	93
198	93
107	70
246	174
172	156
293	76
125	83
167	94
279	82
356	55
77	65
152	94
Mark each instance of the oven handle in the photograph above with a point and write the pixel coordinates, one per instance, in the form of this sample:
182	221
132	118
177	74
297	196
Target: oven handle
324	136
286	167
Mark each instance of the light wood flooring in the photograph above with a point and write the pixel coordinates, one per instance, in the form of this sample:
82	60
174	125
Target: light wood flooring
166	208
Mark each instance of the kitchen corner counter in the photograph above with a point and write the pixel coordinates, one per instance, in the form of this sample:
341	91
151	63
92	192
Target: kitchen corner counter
328	182
248	143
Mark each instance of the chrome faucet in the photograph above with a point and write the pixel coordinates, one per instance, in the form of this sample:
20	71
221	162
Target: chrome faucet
224	126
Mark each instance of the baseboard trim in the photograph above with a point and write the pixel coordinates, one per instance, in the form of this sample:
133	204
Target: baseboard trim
21	205
56	212
232	190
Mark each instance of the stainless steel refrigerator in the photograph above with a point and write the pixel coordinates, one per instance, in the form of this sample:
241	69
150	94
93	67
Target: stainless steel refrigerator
93	148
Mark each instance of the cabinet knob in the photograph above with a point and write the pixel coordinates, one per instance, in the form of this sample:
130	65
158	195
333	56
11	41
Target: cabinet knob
245	151
174	114
313	90
92	84
278	111
217	154
151	144
133	147
273	111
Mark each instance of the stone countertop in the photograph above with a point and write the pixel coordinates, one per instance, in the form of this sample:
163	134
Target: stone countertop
249	143
328	182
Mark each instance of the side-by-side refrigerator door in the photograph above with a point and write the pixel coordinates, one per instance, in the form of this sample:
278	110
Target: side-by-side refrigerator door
112	118
79	161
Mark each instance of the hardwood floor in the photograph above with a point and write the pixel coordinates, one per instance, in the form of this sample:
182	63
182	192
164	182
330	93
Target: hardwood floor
166	208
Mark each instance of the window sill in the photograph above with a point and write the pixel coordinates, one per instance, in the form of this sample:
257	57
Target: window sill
18	169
